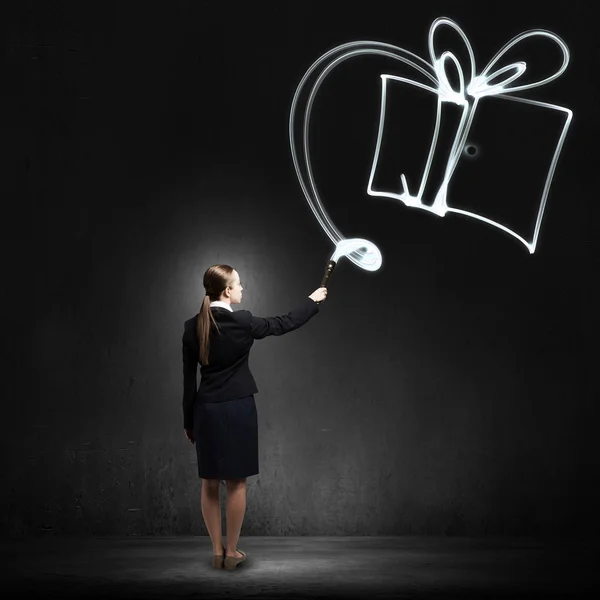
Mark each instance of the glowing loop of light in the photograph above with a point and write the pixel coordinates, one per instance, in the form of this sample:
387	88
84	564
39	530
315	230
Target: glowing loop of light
364	253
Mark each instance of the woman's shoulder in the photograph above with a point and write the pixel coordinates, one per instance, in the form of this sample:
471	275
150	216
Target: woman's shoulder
191	320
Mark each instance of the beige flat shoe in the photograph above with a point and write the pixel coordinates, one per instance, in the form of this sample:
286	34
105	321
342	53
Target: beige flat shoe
218	560
231	562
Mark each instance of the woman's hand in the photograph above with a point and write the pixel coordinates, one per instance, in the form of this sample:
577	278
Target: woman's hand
189	434
319	295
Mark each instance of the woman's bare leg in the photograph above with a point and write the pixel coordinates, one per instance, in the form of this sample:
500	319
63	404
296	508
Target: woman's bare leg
236	507
211	511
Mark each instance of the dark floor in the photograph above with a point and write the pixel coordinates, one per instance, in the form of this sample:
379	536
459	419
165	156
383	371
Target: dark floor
343	567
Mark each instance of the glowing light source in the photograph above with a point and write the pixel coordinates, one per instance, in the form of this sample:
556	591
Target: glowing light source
472	87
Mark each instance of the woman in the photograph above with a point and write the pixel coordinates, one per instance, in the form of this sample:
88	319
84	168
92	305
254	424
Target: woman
220	417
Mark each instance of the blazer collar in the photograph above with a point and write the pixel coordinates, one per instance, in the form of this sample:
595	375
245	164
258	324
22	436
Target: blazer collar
219	304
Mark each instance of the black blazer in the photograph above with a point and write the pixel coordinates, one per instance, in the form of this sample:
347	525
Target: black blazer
228	376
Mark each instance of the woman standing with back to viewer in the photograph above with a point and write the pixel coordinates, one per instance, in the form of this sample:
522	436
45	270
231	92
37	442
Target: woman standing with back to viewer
220	417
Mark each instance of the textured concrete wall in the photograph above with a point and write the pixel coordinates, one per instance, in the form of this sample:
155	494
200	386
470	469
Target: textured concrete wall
448	393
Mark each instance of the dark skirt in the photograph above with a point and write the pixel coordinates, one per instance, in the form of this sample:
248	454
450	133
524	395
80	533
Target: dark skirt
226	436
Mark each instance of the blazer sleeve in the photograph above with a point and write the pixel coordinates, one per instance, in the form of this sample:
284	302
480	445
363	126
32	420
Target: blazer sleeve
190	369
261	327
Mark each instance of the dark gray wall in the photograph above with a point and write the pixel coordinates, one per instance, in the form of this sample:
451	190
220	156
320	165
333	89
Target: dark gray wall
450	392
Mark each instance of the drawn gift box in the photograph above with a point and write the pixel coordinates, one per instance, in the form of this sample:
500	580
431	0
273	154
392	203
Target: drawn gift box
402	170
504	181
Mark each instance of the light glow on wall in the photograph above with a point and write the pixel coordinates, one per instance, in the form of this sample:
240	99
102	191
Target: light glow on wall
472	87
